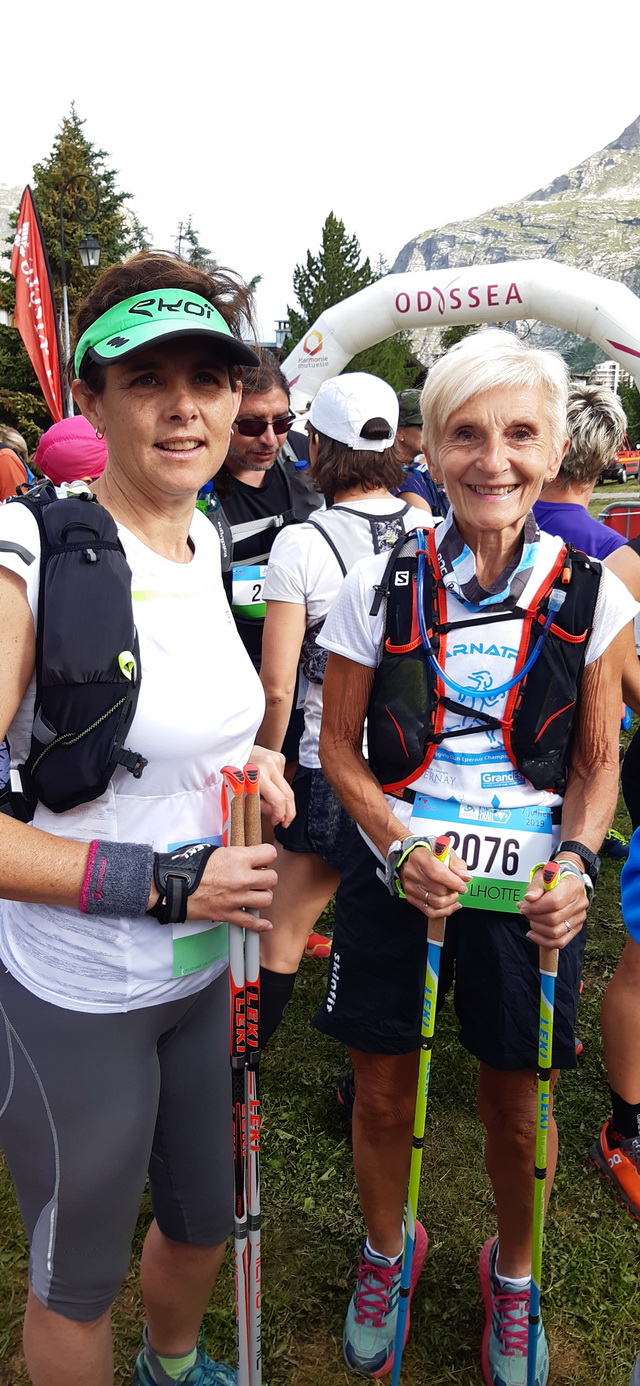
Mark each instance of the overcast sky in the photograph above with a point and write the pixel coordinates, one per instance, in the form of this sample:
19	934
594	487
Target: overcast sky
258	119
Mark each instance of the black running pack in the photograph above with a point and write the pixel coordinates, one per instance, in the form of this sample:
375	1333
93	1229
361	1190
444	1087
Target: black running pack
87	657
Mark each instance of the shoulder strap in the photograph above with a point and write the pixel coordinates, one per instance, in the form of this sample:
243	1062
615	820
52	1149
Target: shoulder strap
334	549
382	588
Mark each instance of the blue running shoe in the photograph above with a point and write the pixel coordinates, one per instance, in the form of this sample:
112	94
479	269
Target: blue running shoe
204	1373
504	1343
370	1325
615	846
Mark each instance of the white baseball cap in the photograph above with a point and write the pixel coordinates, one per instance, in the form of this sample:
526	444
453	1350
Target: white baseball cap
344	404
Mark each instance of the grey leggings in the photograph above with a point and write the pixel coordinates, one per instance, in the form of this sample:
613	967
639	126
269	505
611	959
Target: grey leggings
88	1105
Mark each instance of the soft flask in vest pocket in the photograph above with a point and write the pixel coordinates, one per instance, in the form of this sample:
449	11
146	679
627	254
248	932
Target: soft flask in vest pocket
87	657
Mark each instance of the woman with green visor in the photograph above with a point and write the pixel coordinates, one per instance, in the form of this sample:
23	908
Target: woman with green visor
114	1056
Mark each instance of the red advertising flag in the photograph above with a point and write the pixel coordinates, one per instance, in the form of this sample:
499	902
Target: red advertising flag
35	314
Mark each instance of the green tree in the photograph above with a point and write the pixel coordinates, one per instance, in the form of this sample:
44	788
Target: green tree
337	272
188	246
451	335
116	227
631	404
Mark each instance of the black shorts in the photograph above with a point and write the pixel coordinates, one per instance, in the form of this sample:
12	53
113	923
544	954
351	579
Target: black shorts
89	1104
375	983
321	825
631	781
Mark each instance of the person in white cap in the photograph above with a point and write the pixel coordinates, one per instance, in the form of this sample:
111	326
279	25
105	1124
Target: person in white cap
352	425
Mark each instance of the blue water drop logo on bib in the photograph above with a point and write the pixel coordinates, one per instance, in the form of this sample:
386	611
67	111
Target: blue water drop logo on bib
495	802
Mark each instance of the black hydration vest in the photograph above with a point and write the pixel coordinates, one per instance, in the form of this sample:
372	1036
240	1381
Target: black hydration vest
409	701
87	656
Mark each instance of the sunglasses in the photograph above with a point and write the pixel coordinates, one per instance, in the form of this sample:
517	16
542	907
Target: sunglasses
253	428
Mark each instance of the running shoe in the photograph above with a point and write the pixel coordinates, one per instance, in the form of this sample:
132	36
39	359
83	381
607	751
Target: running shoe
317	946
504	1343
620	1165
635	1375
370	1325
615	846
204	1373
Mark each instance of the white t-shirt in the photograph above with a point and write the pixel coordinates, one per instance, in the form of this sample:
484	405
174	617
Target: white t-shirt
200	704
303	570
473	770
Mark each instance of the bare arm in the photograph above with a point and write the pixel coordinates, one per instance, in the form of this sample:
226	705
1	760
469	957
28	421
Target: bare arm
631	681
625	563
592	791
284	629
347	689
412	498
33	865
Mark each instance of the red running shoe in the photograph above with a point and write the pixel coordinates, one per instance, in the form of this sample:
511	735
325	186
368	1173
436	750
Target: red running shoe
317	946
620	1165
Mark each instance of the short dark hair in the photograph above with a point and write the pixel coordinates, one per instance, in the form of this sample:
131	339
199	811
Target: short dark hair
257	380
338	467
159	269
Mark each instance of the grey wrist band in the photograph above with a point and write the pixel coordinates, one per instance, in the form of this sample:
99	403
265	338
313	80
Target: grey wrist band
117	880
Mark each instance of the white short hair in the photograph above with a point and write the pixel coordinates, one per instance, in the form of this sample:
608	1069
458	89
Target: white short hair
483	361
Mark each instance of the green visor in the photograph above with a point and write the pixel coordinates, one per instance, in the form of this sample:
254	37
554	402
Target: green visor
156	316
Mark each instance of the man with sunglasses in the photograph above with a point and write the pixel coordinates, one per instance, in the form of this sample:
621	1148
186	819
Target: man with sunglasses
260	490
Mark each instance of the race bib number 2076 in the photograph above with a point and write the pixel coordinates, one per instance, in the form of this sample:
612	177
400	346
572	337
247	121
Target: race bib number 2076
499	845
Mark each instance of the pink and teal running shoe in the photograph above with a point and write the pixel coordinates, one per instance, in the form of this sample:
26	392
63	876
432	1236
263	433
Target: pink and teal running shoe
370	1325
204	1373
504	1344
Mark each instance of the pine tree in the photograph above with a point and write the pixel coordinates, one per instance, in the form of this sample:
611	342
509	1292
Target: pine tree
188	246
115	226
630	400
336	273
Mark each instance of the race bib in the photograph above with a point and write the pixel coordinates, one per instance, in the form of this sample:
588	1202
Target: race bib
196	946
499	845
247	588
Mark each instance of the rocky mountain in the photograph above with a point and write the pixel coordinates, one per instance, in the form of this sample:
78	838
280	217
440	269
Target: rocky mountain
588	218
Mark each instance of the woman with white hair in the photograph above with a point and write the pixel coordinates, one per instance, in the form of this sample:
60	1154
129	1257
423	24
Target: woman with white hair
352	425
486	658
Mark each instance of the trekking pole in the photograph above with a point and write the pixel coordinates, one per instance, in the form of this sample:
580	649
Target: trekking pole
548	972
435	940
233	819
252	837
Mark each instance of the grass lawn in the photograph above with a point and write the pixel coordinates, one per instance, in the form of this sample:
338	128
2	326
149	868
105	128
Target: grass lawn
608	491
312	1225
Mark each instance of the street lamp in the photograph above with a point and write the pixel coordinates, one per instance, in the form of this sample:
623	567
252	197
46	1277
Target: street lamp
89	252
89	249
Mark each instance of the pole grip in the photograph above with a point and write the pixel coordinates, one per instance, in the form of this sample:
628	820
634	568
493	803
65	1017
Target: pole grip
549	961
548	957
252	821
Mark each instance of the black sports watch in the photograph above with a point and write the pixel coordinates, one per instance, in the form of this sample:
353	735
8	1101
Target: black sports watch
589	858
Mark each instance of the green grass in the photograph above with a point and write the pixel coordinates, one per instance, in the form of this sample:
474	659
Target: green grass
312	1225
611	492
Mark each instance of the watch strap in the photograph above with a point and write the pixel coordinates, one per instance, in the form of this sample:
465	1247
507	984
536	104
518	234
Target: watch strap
590	859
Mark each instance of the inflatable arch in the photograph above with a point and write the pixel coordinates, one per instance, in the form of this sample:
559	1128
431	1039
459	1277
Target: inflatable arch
601	309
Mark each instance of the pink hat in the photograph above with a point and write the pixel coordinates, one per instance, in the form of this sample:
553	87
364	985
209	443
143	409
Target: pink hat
70	451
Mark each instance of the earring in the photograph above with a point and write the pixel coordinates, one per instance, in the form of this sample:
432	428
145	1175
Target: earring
99	435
